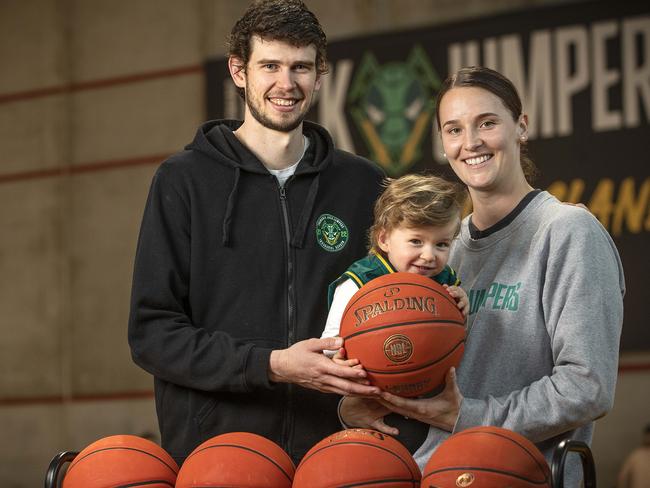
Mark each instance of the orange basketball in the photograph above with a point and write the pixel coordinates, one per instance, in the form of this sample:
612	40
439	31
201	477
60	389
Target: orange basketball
360	458
407	332
485	457
240	459
121	460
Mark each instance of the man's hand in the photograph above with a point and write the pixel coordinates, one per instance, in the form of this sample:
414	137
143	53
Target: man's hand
305	364
441	411
365	413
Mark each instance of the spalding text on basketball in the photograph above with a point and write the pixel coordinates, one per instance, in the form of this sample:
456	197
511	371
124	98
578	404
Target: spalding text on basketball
403	388
421	304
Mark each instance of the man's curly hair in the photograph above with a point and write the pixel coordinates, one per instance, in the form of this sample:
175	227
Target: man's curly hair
278	20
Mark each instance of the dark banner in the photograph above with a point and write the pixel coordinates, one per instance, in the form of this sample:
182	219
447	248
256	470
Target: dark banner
583	72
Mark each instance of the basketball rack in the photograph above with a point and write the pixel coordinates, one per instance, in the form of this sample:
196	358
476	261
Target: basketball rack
559	460
54	469
557	464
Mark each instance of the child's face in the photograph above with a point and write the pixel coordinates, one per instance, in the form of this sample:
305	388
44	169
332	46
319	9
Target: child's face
421	250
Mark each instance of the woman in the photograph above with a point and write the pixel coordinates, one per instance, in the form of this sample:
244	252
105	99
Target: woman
545	284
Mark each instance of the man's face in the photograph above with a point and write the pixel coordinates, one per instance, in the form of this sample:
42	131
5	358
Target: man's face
280	81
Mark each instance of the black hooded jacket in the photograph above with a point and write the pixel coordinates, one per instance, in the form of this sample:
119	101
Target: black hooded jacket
230	267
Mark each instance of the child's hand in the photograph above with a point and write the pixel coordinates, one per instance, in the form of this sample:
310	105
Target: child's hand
460	296
340	358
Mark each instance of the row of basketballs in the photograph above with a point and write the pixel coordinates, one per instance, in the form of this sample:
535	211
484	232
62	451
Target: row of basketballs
480	457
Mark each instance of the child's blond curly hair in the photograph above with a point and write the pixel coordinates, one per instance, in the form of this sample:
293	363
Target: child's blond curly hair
416	200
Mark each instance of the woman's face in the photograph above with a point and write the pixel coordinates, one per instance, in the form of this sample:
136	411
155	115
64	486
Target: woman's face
481	139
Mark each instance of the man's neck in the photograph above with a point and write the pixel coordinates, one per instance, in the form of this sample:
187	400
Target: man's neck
275	149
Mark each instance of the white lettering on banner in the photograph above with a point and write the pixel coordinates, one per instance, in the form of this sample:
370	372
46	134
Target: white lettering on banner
568	40
561	63
564	62
602	117
465	54
537	94
636	78
490	56
331	114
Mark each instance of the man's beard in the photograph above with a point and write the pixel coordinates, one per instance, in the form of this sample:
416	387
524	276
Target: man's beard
277	125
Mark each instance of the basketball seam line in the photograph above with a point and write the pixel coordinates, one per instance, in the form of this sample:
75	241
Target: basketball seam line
488	470
143	483
380	482
514	441
78	459
246	449
362	444
401	371
414	322
377	287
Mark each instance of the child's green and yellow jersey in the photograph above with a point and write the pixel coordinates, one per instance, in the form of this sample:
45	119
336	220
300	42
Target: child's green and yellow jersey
375	265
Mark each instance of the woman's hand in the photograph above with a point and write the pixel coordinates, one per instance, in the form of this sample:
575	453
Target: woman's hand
365	413
440	411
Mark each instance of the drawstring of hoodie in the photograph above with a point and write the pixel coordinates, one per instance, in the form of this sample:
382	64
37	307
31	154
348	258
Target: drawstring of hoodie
227	219
298	238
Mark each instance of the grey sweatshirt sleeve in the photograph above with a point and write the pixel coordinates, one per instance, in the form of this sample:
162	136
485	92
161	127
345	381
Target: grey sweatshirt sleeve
579	297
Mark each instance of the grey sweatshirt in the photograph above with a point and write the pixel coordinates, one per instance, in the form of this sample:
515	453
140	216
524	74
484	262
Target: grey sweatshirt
546	311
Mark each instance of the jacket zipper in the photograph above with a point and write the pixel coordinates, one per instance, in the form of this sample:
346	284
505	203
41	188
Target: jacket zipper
291	334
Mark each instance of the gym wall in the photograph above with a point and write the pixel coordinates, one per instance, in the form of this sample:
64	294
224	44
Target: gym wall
94	95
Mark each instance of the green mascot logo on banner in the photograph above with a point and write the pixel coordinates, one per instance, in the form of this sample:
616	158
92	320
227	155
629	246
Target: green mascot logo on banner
392	105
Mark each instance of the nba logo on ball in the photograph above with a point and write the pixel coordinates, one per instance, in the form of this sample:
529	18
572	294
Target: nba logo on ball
465	480
406	330
398	348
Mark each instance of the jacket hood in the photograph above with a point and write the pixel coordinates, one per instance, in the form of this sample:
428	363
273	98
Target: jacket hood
216	140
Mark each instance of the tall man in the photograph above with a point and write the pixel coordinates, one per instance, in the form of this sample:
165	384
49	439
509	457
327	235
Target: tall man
242	232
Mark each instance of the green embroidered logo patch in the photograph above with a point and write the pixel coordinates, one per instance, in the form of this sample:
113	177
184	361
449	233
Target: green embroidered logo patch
331	233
